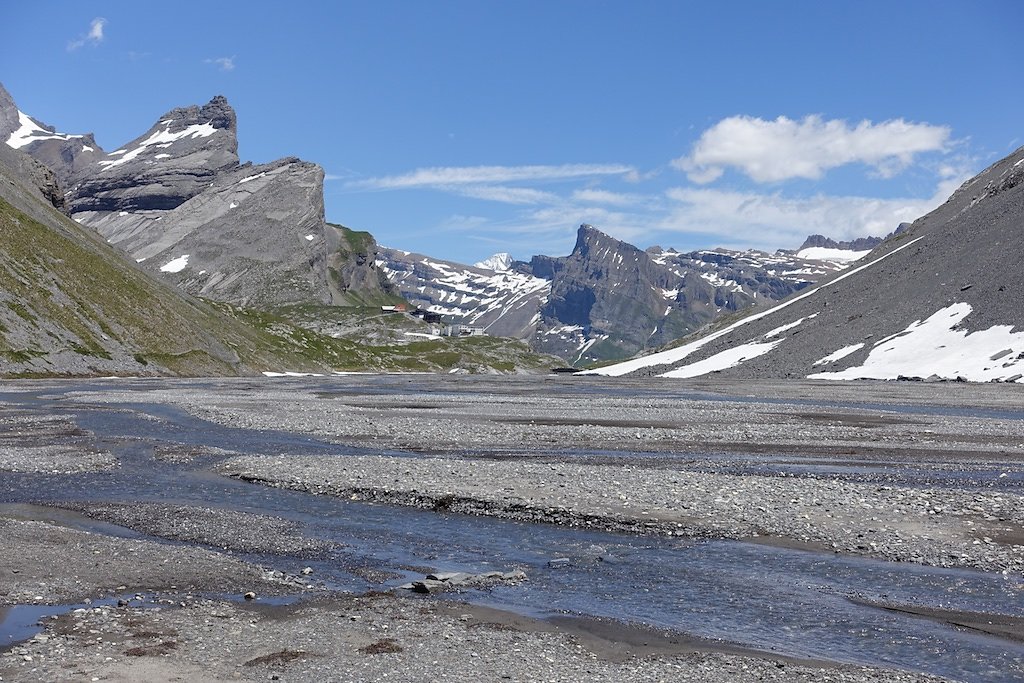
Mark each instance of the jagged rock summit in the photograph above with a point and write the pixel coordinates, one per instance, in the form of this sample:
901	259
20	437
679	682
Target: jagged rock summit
940	299
172	162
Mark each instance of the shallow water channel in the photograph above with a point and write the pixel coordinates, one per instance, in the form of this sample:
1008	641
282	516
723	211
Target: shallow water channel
790	602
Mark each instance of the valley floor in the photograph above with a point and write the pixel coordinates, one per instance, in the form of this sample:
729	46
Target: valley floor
163	501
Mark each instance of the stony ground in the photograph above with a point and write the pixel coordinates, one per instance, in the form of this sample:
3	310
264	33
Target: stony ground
815	465
371	638
574	451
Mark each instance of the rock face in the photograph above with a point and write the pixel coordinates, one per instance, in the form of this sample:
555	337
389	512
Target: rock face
940	300
36	175
354	275
254	237
607	299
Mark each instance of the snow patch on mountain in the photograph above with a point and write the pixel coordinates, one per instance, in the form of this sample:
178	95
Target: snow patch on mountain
840	354
728	358
175	265
30	131
936	347
827	254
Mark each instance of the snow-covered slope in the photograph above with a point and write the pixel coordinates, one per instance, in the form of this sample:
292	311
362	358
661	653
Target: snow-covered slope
505	303
941	299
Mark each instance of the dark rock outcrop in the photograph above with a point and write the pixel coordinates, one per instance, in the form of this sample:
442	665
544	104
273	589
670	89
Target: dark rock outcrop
859	244
35	174
354	276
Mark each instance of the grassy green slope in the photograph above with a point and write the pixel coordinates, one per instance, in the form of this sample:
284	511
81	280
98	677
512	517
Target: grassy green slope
70	304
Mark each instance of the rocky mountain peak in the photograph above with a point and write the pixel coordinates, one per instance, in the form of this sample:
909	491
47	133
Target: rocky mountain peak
217	113
590	239
499	263
65	154
176	159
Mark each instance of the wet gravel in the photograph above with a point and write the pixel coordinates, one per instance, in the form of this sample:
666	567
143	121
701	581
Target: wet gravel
232	530
371	638
596	454
45	563
942	527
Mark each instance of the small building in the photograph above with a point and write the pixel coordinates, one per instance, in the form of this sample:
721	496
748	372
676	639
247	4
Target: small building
463	331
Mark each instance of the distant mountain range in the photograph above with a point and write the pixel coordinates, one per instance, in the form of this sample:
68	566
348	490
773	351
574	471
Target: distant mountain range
940	300
181	206
607	299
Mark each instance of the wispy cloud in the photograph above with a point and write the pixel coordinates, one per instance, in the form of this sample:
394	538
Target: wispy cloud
223	63
451	176
784	149
504	194
607	198
94	36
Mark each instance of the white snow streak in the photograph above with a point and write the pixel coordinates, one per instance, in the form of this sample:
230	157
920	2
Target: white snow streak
723	359
839	354
827	254
165	136
779	330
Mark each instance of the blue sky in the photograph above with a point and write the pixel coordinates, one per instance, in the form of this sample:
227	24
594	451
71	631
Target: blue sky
460	129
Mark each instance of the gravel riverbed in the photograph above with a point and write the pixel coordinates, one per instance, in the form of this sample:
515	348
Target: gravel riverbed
927	474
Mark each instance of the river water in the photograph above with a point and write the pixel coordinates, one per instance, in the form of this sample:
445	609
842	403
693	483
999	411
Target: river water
791	602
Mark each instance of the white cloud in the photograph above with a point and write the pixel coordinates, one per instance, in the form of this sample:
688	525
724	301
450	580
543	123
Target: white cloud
224	63
93	37
446	177
771	221
783	149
